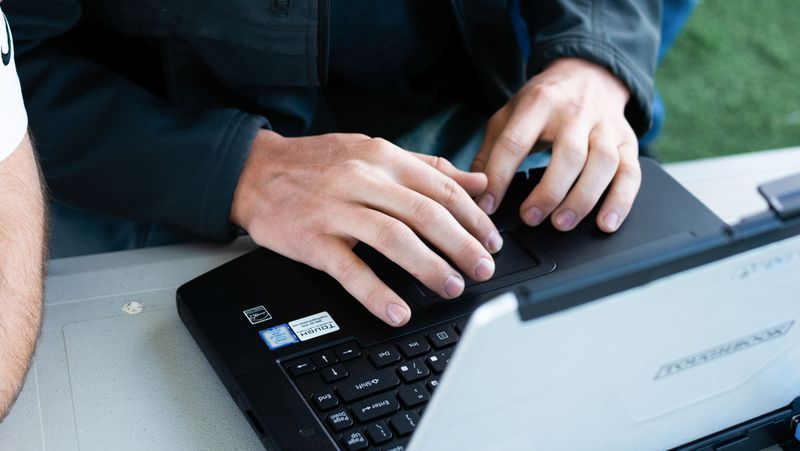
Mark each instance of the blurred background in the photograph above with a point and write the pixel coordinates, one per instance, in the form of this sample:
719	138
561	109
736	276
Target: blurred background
731	81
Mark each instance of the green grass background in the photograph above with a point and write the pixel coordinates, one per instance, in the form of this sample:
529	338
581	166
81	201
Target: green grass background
731	82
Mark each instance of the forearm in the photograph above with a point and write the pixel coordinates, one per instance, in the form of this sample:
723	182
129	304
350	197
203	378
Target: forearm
22	257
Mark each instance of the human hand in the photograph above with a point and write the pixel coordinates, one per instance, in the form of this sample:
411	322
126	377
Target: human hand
312	198
578	107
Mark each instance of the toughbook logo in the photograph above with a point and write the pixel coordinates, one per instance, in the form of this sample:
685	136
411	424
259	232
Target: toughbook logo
723	350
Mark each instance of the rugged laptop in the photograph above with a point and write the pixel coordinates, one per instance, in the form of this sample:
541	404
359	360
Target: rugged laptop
312	369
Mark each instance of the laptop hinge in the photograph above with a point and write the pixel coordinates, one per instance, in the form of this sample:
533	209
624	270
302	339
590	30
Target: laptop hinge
783	196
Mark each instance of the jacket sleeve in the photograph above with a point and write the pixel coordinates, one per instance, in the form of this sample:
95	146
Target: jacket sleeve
109	145
622	35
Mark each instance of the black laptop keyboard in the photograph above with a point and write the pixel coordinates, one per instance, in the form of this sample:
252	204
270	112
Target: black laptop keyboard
373	398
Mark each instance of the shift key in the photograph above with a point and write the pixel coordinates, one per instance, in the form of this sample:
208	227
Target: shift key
368	384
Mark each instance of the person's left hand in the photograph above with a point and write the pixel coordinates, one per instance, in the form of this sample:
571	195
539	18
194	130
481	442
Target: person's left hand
578	107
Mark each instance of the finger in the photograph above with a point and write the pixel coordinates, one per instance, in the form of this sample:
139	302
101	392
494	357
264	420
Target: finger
512	145
494	126
358	279
569	157
623	189
398	243
410	212
474	183
455	200
601	165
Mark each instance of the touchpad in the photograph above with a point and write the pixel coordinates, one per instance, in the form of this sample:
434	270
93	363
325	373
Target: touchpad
512	264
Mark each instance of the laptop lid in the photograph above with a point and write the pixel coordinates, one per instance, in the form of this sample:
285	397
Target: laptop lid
650	356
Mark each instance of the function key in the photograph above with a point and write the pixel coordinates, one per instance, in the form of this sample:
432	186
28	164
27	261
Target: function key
355	440
442	336
369	384
325	399
413	370
461	325
384	355
325	358
404	422
414	345
379	432
433	383
413	394
334	373
439	360
347	351
301	366
339	419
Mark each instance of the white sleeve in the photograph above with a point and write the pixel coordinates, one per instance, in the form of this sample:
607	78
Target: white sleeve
13	118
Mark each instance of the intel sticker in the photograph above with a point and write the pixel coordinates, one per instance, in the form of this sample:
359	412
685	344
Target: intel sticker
313	326
278	336
257	314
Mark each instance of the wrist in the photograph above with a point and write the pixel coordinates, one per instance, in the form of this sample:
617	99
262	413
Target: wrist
246	192
610	84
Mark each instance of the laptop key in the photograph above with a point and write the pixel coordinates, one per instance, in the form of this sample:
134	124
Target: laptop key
355	440
347	352
325	358
413	395
442	336
439	360
433	383
369	384
374	407
334	373
379	432
302	366
404	422
384	355
339	419
413	370
325	399
414	345
396	446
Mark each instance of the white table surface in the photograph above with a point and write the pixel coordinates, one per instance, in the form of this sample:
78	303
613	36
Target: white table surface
105	379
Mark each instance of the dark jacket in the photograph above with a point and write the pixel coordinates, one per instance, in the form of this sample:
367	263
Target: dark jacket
146	109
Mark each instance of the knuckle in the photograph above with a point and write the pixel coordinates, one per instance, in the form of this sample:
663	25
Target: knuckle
427	211
450	193
348	271
511	141
573	152
607	155
354	168
441	164
498	177
393	234
631	171
542	93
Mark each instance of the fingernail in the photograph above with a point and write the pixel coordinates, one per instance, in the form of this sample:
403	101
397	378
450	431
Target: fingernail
396	314
486	203
533	216
484	269
454	285
612	220
495	242
565	219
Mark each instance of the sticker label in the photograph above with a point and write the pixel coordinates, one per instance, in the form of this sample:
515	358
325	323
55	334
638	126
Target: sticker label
278	336
257	314
313	326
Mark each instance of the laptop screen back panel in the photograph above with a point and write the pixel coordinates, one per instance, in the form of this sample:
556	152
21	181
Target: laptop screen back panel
651	367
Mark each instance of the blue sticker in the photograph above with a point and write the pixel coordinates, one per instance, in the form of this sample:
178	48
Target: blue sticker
278	336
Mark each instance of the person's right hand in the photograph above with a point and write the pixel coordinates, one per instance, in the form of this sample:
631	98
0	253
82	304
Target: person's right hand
313	198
